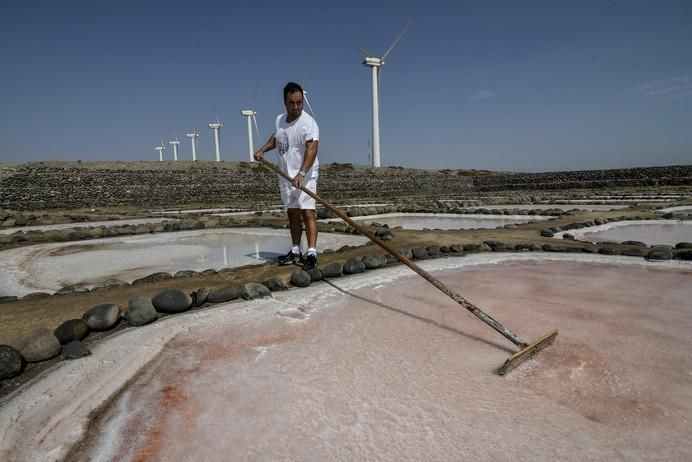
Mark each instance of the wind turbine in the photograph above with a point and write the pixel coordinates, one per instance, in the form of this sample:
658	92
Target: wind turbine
374	62
160	148
175	147
216	126
193	138
250	114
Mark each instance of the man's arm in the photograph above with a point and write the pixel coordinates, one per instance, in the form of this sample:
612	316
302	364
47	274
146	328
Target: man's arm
268	146
308	159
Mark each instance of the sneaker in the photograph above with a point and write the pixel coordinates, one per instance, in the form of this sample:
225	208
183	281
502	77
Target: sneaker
310	262
290	258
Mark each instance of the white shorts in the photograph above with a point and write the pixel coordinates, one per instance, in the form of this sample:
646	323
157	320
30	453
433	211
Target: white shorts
294	198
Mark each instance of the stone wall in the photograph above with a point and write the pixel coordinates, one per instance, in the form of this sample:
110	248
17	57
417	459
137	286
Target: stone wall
613	178
37	186
74	185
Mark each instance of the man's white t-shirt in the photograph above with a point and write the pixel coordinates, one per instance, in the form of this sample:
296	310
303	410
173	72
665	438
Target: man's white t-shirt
290	141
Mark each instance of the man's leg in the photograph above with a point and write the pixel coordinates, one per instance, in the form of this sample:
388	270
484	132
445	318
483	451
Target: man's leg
296	226
310	220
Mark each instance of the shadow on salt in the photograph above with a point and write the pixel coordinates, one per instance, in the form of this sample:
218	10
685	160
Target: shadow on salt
48	267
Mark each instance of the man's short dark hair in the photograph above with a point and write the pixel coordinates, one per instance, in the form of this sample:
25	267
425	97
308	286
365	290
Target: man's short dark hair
292	87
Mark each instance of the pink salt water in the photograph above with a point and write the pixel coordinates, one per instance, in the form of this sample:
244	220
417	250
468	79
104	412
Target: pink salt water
397	371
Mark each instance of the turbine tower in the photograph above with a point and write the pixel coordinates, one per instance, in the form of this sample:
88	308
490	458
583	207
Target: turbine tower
175	147
374	62
160	148
250	114
216	126
193	138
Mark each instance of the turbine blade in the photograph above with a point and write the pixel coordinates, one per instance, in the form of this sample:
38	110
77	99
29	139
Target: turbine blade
384	56
309	106
254	119
365	52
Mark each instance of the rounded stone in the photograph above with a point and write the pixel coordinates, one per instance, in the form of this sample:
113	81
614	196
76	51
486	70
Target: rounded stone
300	278
608	251
200	296
635	252
374	261
315	274
75	350
387	236
275	284
35	295
71	290
95	233
184	274
40	345
659	254
11	362
496	246
253	290
102	317
155	277
172	301
434	251
419	253
223	294
108	283
684	254
353	266
634	243
552	248
72	329
332	270
406	253
140	311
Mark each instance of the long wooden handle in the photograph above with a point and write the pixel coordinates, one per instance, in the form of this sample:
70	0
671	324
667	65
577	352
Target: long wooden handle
486	318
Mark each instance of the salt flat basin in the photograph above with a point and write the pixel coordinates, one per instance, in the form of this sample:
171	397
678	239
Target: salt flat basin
48	267
383	366
444	220
650	232
87	224
677	209
552	206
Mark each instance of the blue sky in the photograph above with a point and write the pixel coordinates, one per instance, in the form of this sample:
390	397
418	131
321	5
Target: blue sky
500	85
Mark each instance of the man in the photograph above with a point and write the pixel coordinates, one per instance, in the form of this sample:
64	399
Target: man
297	137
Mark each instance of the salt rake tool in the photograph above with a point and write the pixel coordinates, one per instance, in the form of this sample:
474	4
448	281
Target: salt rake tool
527	350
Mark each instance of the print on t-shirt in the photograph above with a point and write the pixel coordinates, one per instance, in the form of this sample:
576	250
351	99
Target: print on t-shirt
283	147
